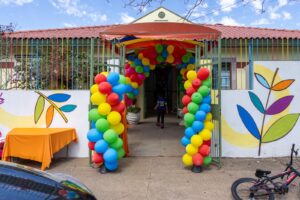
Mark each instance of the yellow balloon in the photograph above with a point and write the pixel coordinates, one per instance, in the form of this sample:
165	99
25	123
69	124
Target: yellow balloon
128	80
130	63
104	109
191	149
208	117
170	49
196	140
152	67
187	160
191	75
190	67
140	56
182	71
170	59
119	128
94	88
145	61
104	73
187	84
97	98
205	134
114	118
209	125
134	84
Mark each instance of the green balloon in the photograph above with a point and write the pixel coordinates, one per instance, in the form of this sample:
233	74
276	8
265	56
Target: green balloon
94	115
102	125
139	69
185	58
207	160
186	125
207	82
130	95
132	65
117	144
159	48
147	74
203	90
189	118
160	59
122	79
110	136
189	54
121	153
192	107
197	98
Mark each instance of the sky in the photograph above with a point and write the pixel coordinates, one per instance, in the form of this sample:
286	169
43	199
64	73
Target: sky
44	14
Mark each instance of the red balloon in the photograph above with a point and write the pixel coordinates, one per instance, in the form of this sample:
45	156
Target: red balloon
186	100
204	150
91	145
127	66
185	110
134	77
190	91
208	142
203	73
197	159
97	158
196	83
105	88
112	99
119	107
139	81
99	78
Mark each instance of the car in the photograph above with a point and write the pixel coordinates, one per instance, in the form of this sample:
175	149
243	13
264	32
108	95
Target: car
22	182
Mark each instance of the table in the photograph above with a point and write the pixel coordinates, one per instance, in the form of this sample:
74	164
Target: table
38	144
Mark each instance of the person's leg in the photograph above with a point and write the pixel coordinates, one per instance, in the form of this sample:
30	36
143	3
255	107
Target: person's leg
162	118
158	116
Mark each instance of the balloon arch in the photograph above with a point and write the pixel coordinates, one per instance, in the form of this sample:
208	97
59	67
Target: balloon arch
113	92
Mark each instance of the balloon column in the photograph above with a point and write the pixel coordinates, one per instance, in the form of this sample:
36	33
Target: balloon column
106	96
197	118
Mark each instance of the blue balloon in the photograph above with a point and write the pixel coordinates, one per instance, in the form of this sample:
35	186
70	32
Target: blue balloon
131	57
101	146
128	88
200	115
205	107
192	60
93	125
110	155
197	126
120	97
135	92
94	135
146	69
185	141
184	65
113	78
189	132
112	166
137	62
164	53
207	99
119	89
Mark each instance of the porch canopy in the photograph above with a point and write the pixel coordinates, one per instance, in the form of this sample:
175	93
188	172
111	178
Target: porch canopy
145	34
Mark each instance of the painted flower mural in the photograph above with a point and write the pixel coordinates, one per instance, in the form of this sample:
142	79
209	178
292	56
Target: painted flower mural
282	126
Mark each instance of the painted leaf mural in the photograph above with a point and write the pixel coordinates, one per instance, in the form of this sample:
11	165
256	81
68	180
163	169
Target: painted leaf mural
248	122
282	85
256	102
68	108
279	105
280	128
49	115
59	97
39	108
262	80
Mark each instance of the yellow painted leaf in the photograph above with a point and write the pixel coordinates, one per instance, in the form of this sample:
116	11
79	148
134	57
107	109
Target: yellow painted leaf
49	115
39	108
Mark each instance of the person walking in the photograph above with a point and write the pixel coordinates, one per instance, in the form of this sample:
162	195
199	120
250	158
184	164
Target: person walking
161	108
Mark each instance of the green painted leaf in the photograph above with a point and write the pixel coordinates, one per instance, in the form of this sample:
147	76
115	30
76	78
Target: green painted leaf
39	108
280	128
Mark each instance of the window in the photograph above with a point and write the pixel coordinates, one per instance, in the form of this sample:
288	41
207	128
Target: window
226	81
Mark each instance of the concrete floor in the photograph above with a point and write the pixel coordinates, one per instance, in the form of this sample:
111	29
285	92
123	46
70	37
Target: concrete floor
154	170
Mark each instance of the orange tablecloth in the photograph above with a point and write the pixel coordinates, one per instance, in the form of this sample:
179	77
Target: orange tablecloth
38	144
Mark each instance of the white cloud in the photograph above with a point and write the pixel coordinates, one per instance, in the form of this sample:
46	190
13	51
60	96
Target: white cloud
75	8
282	3
286	15
257	5
125	18
262	21
69	25
227	5
15	2
274	15
230	21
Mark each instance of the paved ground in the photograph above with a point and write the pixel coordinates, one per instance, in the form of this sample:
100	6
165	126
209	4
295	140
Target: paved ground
154	170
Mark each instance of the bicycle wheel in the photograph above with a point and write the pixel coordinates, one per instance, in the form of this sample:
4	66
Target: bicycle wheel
240	190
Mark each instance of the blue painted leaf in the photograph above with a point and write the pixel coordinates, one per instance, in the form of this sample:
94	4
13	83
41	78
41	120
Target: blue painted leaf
59	97
279	105
256	102
262	80
68	108
248	122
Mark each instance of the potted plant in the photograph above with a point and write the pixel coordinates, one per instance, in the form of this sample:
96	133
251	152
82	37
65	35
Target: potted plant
133	114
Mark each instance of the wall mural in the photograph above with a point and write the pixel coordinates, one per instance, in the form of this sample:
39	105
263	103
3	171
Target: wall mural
1	98
51	99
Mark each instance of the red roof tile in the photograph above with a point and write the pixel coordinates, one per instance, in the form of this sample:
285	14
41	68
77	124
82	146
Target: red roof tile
227	32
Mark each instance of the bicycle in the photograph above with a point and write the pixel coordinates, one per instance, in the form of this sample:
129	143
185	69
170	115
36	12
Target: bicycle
265	186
